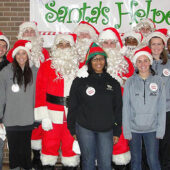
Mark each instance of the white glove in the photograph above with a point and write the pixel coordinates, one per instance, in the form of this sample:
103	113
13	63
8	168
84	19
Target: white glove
76	147
2	132
47	124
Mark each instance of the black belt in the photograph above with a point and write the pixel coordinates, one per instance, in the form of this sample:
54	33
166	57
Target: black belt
57	100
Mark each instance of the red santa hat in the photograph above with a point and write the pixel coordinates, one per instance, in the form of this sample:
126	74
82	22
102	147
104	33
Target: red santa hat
3	37
71	38
84	26
161	33
26	25
144	22
110	34
19	45
143	51
137	35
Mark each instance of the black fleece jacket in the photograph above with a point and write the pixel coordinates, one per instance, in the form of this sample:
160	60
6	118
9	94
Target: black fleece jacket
98	109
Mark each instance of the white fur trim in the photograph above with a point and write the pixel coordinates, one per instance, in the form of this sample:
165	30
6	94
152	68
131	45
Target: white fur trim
82	73
107	35
65	37
157	34
2	37
142	53
36	144
48	159
56	116
122	159
20	48
87	29
40	113
70	161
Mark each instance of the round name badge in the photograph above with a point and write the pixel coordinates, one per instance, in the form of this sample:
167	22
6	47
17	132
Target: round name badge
153	86
90	91
166	72
15	88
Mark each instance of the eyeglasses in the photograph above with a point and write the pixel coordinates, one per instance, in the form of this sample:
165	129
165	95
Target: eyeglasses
98	59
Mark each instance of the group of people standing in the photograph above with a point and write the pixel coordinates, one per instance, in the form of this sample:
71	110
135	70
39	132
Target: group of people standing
69	102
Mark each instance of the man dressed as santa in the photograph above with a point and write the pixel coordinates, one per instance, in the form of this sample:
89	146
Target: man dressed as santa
86	34
54	80
120	68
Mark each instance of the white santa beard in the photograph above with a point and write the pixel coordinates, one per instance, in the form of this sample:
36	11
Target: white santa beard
116	63
36	51
82	47
65	62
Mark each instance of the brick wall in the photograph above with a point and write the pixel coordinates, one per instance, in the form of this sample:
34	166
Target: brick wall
12	14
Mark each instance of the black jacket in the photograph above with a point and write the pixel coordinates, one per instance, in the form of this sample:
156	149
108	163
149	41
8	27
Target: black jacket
3	63
98	109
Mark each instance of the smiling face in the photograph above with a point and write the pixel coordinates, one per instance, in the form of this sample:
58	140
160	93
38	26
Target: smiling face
3	48
109	44
157	46
130	41
98	63
63	45
21	58
143	64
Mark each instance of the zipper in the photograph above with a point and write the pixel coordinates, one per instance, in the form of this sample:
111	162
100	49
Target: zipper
144	92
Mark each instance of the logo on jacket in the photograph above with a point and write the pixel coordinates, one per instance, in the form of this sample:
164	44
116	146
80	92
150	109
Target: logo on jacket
109	87
90	91
153	87
166	72
15	88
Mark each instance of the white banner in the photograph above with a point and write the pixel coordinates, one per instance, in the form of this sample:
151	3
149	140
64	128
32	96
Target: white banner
53	16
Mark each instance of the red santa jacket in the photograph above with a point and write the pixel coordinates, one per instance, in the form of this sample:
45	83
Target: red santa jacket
48	83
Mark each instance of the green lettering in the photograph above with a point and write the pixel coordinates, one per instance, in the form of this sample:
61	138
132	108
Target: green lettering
158	13
106	20
167	17
85	7
62	13
79	15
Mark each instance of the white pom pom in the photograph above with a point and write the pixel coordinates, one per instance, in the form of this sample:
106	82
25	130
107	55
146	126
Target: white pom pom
123	50
28	45
82	73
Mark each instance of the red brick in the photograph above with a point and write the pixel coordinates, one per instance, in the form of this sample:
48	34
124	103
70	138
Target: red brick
1	14
4	9
3	24
11	23
17	9
10	4
6	28
4	18
17	18
10	13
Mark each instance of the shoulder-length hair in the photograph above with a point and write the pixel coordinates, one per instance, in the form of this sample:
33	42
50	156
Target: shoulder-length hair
90	69
22	77
163	55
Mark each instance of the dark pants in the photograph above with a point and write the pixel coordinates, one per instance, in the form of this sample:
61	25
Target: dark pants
164	147
94	144
152	148
19	143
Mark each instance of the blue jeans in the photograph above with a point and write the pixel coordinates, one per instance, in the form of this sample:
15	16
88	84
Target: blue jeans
95	144
151	146
1	152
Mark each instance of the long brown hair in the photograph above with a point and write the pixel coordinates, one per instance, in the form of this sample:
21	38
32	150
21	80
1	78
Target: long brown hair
163	55
22	77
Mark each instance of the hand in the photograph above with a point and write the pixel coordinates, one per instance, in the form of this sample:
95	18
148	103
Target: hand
115	140
47	124
75	137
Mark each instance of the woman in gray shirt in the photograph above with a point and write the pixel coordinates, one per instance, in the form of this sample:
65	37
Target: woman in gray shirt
17	84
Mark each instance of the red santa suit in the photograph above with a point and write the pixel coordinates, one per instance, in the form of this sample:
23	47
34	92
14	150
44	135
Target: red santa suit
121	150
52	91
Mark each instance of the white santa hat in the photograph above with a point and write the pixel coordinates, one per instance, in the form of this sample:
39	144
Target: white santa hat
144	22
110	34
143	51
137	35
86	27
161	33
19	45
71	38
3	37
26	25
